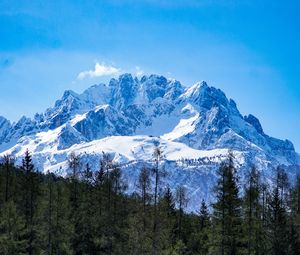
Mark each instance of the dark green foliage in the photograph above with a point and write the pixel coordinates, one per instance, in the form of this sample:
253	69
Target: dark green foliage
254	232
157	173
31	193
198	240
294	219
181	199
58	229
227	217
91	213
12	230
277	223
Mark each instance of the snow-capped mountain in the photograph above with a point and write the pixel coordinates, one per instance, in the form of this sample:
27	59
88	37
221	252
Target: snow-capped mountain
195	127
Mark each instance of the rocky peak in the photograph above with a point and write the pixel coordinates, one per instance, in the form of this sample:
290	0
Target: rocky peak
123	91
206	97
5	126
3	121
129	106
174	90
153	86
25	126
159	80
69	93
68	136
97	94
251	119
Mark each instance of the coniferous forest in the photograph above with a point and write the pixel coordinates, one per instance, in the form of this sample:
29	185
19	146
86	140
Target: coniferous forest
90	212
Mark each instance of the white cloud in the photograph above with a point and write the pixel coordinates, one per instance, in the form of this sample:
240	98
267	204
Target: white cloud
100	70
138	71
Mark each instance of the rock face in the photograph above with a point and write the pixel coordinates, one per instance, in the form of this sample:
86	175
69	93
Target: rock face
5	127
195	126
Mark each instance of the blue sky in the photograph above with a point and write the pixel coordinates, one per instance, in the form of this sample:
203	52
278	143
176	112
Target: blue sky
249	49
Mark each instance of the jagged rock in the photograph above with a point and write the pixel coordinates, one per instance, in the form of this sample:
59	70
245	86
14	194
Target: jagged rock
196	126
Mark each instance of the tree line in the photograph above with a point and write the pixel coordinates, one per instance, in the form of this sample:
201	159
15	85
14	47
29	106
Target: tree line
90	212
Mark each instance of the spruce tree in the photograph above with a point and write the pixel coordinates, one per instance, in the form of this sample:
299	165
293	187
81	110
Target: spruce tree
74	176
204	228
277	224
158	174
101	179
63	230
50	214
85	214
8	162
204	215
140	228
199	238
294	219
111	236
283	185
31	189
168	218
13	240
74	172
181	199
144	187
252	209
227	222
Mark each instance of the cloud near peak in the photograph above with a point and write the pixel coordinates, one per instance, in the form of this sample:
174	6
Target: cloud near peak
99	70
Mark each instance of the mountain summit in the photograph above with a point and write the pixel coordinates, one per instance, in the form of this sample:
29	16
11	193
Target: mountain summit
195	126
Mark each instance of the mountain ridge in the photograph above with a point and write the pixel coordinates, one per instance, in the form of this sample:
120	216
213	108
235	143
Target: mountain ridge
153	110
133	96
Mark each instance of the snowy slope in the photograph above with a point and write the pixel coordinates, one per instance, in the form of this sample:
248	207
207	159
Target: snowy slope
184	165
129	116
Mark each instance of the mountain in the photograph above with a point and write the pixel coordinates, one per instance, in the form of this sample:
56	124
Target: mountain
195	126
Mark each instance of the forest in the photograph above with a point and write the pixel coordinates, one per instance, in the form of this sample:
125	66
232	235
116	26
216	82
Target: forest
90	212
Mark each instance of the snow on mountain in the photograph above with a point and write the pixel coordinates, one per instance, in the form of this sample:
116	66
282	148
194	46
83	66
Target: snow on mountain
183	164
72	103
195	127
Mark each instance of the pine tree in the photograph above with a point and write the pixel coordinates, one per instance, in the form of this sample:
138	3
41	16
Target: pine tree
99	187
204	228
31	189
56	225
110	184
227	212
168	218
8	162
119	211
158	174
277	224
12	231
283	185
74	175
252	209
144	189
294	219
27	167
181	199
74	172
63	230
101	197
108	224
204	216
264	216
140	217
199	238
50	215
86	211
169	202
